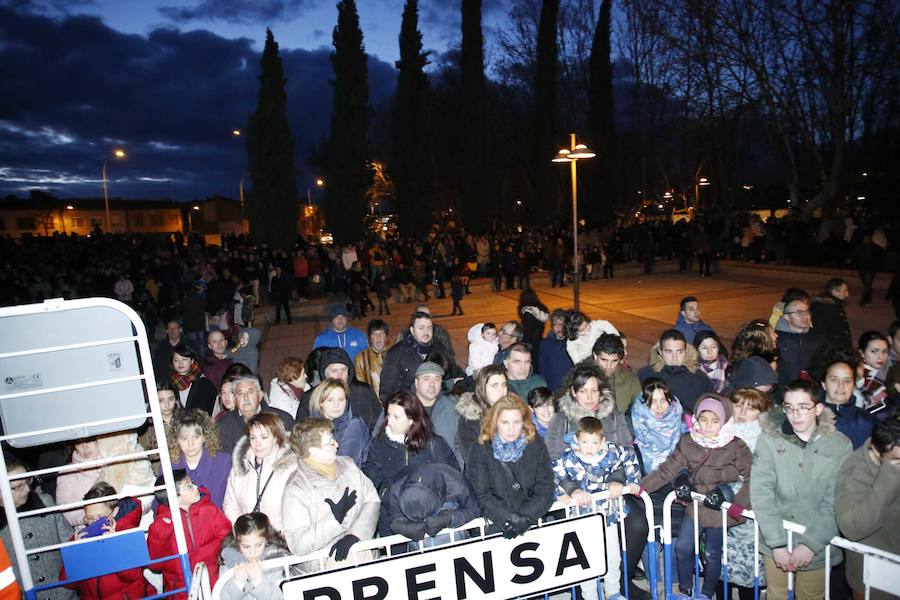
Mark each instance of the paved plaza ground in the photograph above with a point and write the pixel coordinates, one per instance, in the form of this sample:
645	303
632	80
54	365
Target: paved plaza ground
639	305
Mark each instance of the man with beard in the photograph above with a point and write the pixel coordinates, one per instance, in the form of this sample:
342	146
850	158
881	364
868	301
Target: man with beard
404	357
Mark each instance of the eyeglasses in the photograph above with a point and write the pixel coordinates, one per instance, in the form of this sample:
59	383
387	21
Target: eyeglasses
802	313
21	485
796	410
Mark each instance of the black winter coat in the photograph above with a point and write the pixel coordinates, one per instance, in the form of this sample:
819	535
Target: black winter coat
829	317
796	352
494	488
400	364
388	461
431	487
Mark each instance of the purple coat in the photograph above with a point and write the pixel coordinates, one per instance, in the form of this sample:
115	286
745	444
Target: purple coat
211	472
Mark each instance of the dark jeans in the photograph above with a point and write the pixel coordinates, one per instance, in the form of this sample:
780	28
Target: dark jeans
704	259
636	529
684	553
868	279
286	305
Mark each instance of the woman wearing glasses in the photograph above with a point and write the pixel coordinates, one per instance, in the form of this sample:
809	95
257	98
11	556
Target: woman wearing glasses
328	502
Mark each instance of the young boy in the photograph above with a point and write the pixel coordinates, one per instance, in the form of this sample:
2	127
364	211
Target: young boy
118	515
592	464
205	526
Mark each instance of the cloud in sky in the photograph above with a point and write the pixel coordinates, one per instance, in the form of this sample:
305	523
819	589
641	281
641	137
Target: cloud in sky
239	11
75	88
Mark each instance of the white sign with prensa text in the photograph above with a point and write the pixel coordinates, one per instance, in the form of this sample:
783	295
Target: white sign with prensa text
554	556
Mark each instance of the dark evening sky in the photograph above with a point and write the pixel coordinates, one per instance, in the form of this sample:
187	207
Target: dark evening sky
167	80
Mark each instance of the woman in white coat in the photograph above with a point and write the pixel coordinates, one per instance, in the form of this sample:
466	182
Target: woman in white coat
328	503
261	465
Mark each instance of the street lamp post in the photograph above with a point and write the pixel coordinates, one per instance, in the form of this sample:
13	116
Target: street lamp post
572	156
118	153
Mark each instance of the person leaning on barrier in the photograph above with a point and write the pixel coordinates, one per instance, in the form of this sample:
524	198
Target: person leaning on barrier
798	456
328	502
867	500
509	468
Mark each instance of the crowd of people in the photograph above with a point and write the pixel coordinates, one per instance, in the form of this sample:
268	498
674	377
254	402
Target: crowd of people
373	434
376	432
155	272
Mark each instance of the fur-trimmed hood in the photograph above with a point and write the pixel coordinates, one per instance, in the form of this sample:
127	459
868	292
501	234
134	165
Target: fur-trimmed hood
773	420
570	407
691	358
242	462
468	408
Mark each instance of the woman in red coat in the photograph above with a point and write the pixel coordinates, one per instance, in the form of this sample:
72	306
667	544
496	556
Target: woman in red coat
120	516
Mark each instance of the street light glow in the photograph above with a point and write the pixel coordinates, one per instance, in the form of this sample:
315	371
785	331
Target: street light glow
562	156
69	207
119	153
195	207
704	181
320	182
236	132
667	195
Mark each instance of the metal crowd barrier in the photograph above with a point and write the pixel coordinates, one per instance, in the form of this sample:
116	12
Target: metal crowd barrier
881	569
397	544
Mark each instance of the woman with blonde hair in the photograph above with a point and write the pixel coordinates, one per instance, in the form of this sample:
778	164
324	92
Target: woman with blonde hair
509	468
261	465
329	400
196	449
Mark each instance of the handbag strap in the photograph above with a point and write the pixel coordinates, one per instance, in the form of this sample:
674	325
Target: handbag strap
515	483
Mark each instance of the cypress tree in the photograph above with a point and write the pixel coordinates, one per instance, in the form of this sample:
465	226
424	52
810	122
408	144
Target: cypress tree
602	134
474	153
271	208
348	175
544	140
412	159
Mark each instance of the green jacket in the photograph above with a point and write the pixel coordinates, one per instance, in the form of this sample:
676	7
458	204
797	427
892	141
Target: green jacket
795	482
867	507
625	387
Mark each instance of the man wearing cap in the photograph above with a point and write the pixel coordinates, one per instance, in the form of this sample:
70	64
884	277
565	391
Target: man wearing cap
440	407
340	335
798	456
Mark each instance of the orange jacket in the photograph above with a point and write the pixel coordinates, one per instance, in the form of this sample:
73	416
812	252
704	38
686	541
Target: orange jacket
9	587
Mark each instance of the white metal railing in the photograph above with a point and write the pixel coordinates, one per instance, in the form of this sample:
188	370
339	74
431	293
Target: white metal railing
386	547
879	566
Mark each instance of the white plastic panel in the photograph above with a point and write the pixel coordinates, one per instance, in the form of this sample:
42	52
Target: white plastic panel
36	358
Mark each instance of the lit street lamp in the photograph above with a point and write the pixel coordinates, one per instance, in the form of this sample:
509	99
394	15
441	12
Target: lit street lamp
120	154
573	155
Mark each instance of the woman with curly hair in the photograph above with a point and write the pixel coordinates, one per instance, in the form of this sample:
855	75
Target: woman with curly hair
196	449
